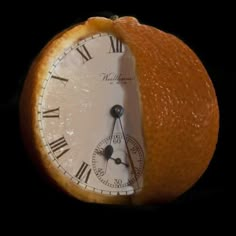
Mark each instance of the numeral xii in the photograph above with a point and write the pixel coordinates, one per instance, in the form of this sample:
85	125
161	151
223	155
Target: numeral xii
116	45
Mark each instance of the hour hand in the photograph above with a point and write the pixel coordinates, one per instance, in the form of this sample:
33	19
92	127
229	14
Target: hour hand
108	151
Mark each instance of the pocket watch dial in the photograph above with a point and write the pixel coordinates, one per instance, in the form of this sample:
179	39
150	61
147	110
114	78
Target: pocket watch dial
89	116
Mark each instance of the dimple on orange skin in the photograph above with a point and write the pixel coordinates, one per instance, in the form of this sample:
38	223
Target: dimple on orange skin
180	115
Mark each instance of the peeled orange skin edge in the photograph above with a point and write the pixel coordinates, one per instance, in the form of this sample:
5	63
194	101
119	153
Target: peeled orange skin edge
180	115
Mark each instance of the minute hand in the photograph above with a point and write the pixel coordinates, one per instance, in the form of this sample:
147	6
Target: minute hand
129	156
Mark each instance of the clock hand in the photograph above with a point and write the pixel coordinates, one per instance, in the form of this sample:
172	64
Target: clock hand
108	151
129	156
118	161
116	111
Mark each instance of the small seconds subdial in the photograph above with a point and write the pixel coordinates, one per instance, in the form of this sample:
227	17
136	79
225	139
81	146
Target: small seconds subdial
115	170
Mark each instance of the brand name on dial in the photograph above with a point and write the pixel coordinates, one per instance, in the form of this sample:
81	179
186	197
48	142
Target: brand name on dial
111	77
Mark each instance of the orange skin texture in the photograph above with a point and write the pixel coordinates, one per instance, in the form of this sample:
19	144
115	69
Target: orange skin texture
180	111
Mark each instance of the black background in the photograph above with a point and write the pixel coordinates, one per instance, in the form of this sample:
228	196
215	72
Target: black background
207	29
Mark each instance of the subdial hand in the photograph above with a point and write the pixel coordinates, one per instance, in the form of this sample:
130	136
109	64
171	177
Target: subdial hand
118	161
108	151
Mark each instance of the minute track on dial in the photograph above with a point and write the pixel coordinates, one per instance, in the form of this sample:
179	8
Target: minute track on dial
119	168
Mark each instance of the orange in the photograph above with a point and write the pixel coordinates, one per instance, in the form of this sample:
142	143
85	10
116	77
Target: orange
180	114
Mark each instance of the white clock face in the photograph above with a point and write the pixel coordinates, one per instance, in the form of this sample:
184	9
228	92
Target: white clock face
89	116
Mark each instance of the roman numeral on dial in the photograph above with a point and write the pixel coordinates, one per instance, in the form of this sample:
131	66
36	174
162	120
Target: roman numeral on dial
63	80
116	45
83	172
83	51
57	147
52	113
